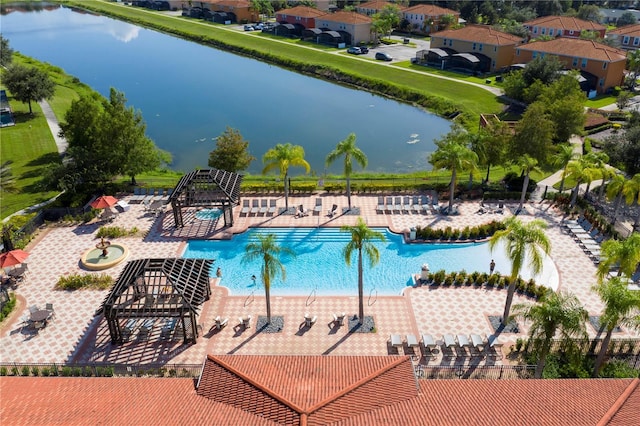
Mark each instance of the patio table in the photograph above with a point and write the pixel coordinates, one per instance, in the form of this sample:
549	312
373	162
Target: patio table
39	316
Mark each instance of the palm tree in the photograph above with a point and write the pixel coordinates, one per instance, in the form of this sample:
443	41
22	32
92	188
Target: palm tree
281	157
562	158
631	192
521	241
351	152
554	312
598	162
625	254
361	237
528	164
615	191
581	171
621	307
633	58
453	154
266	249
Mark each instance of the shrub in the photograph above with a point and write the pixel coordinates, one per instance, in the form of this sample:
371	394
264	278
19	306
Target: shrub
493	279
619	370
66	372
84	281
25	370
438	277
35	371
8	307
115	232
45	371
3	371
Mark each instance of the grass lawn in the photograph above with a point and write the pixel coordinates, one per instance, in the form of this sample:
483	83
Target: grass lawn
600	101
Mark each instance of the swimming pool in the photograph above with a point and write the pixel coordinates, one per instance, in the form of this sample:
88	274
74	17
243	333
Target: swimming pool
319	262
208	214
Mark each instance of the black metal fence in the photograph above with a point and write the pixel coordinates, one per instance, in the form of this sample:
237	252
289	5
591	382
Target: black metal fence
490	372
100	370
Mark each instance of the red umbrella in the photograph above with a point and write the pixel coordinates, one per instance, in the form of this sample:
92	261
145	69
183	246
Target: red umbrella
104	202
12	258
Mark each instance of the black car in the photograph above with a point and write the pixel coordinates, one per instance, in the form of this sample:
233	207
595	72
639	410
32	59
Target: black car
364	49
382	56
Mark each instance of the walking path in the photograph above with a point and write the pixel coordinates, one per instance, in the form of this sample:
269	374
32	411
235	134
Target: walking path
54	126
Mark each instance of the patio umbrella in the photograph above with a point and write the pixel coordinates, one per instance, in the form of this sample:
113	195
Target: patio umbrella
104	201
12	258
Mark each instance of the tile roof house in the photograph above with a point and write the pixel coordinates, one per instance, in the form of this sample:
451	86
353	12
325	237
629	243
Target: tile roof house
241	9
427	17
628	36
372	7
562	26
301	15
358	26
483	41
603	65
316	390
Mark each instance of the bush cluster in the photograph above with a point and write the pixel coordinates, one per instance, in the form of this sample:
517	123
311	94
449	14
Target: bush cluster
84	281
468	233
116	231
8	307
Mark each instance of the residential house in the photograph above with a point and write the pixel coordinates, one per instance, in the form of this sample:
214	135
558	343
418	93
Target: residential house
611	16
299	15
354	27
479	48
427	17
238	10
602	65
562	26
372	7
246	390
627	37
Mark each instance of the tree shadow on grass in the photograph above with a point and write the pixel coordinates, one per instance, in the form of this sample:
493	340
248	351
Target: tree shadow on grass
44	159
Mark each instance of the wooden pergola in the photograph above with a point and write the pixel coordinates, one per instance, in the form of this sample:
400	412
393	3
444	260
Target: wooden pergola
209	189
150	290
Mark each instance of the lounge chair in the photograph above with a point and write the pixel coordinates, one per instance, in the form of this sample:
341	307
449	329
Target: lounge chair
415	204
161	195
406	204
396	341
52	313
220	323
272	207
245	322
318	208
302	212
463	340
338	319
332	211
425	204
449	340
167	194
429	345
138	195
397	205
380	207
151	193
245	207
309	321
389	207
264	206
255	206
412	342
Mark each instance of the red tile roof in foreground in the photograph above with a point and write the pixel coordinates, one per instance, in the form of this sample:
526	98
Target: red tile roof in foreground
577	48
316	390
352	18
565	22
430	10
301	11
480	34
627	30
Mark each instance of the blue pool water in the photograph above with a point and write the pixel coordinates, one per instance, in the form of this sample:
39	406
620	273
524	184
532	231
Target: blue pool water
319	263
208	214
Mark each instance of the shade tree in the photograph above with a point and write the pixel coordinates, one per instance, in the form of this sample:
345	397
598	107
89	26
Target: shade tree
231	152
28	84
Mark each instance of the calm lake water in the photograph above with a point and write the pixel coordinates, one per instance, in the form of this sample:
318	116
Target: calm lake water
188	94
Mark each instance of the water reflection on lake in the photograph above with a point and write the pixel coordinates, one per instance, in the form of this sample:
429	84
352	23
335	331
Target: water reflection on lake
189	94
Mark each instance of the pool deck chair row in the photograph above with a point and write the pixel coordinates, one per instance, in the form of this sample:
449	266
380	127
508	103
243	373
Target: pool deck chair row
473	345
406	205
262	207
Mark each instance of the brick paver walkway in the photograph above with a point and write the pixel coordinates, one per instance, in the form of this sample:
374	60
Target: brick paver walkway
77	335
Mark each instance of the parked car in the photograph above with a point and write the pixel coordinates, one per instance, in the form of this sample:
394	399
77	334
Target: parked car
364	49
248	28
258	27
354	50
383	56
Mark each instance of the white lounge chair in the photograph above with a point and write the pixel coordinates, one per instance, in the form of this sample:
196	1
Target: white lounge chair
397	205
389	205
318	208
255	206
264	206
245	207
272	207
220	322
380	207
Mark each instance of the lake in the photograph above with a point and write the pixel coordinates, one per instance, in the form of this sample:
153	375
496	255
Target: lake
188	94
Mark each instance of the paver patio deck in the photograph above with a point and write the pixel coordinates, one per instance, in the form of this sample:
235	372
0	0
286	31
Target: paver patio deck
77	335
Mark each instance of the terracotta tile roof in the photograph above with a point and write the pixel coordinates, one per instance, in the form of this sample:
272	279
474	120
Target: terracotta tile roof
302	11
578	48
377	4
626	411
430	10
352	18
565	22
480	34
627	30
232	3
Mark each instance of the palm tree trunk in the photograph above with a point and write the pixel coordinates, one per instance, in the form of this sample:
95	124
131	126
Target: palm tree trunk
286	192
574	197
542	358
602	353
601	192
452	188
488	170
267	293
507	304
360	290
525	185
616	206
349	191
564	173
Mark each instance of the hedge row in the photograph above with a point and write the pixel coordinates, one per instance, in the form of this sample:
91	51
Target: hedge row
465	234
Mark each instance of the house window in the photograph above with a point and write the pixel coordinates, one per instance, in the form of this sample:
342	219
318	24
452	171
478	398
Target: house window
535	30
480	47
550	31
517	52
604	65
584	62
493	64
625	40
495	48
636	41
575	62
450	43
601	82
474	47
570	32
534	55
543	31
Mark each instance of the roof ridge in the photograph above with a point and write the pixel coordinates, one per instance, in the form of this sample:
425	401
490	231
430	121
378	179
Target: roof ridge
263	388
619	403
357	384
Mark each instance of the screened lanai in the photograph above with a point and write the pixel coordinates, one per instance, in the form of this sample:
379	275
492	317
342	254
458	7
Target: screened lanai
160	297
210	188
